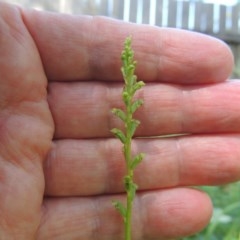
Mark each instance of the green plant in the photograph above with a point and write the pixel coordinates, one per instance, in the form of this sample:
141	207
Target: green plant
130	124
226	220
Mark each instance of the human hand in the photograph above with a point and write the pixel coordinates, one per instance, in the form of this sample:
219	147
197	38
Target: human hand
63	188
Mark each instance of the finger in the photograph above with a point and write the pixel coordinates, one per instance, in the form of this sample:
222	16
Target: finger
90	167
83	110
157	215
167	55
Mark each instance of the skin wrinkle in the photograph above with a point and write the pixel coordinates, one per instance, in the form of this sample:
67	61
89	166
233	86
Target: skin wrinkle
142	200
13	26
214	168
47	166
102	167
171	110
99	110
177	56
174	165
44	217
109	113
148	213
166	162
103	149
168	59
207	96
97	49
159	62
96	221
112	102
113	167
166	212
184	95
152	61
70	160
20	38
179	156
217	166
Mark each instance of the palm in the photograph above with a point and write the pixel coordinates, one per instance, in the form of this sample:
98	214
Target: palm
57	180
26	131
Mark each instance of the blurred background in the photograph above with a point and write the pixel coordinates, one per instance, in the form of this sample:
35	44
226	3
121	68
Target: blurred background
218	18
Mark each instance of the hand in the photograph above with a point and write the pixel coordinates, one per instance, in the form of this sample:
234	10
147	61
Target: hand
60	167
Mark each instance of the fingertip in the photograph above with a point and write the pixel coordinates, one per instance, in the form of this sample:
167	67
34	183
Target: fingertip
175	213
194	58
222	59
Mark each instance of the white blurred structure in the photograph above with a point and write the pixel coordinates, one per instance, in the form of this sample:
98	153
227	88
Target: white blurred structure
219	20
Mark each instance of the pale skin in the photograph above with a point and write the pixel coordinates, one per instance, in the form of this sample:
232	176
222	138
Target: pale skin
60	167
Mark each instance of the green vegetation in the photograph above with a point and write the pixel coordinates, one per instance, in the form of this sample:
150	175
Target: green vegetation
130	124
225	223
236	70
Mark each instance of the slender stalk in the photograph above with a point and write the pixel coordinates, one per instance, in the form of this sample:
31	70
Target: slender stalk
131	124
128	157
128	224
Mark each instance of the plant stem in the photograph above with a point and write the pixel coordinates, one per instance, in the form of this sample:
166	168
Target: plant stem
128	223
128	158
131	124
